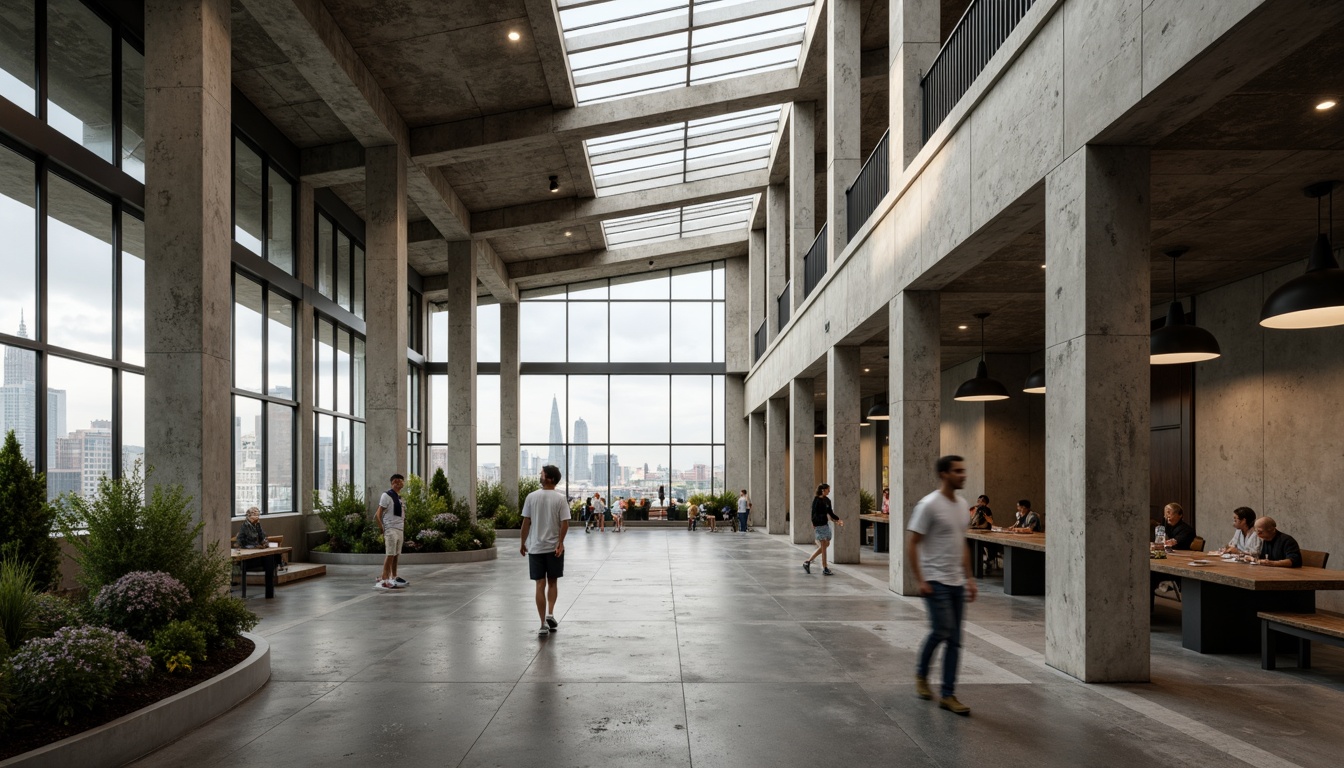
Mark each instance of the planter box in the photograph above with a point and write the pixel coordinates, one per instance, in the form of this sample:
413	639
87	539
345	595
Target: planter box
139	733
406	558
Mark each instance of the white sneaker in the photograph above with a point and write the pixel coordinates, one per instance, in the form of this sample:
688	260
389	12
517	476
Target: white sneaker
383	585
543	631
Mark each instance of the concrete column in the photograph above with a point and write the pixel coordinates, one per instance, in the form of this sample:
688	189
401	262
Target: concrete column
802	454
305	330
914	42
776	466
1097	414
461	305
738	329
913	404
802	191
842	448
188	431
385	316
756	483
776	254
509	445
844	24
756	283
736	434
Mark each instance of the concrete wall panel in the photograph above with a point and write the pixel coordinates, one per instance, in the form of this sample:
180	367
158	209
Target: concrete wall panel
1104	62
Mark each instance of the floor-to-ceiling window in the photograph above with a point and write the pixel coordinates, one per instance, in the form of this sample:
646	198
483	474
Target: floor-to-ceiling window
339	359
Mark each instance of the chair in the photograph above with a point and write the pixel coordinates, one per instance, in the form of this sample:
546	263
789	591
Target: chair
1197	545
279	541
1314	559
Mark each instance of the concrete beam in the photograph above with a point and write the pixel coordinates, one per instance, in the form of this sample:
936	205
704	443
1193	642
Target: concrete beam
611	262
519	219
494	273
332	164
544	19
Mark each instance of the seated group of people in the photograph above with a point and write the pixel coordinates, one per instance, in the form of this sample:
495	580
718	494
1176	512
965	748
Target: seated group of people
1258	538
982	517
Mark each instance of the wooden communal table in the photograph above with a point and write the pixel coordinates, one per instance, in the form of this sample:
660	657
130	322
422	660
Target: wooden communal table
1023	559
1219	601
270	558
881	531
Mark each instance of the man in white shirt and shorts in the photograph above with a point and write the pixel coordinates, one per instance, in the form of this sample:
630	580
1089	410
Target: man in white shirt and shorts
545	524
940	559
391	519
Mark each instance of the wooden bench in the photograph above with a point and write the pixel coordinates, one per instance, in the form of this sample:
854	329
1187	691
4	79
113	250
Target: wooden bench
1322	626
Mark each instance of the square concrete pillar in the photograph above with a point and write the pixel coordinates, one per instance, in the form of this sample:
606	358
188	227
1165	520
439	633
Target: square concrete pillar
1097	414
461	305
914	43
509	445
385	316
776	254
802	191
736	434
305	327
756	287
776	466
844	25
802	458
756	483
913	404
738	329
842	448
188	434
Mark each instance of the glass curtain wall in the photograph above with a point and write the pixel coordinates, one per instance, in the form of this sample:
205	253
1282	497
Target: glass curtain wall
264	398
487	391
263	206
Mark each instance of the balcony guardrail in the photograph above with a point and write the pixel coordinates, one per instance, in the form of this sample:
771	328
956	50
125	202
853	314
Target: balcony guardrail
974	41
868	189
759	341
814	263
785	303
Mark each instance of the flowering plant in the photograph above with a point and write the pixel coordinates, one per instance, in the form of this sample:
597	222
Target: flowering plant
446	520
76	668
429	535
141	602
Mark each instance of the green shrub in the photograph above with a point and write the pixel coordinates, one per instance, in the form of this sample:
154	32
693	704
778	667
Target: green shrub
438	485
222	619
421	507
6	688
141	602
508	518
490	498
116	533
18	601
867	502
483	533
54	612
175	640
345	518
76	668
26	519
526	485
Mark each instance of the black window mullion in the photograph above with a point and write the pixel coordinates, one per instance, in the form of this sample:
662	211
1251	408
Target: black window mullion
40	93
265	207
40	331
114	29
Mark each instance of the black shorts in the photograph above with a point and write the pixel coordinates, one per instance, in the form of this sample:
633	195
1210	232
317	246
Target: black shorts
546	565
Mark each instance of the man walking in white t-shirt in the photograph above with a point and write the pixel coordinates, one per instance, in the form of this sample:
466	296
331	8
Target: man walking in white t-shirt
940	560
545	523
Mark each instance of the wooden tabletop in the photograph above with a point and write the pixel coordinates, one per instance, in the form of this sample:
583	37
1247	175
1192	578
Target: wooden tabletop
876	518
1245	575
1034	541
249	554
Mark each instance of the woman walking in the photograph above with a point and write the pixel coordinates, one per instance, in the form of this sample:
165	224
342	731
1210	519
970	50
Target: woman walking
599	513
618	515
822	514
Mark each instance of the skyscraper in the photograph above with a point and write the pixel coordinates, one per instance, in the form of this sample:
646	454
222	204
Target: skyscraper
579	470
18	401
556	456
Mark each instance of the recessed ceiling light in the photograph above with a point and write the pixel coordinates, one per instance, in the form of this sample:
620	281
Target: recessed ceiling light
514	36
961	327
865	370
1326	104
1042	266
568	233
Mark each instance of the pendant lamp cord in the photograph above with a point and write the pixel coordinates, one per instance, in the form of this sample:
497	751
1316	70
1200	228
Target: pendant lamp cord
982	339
1173	279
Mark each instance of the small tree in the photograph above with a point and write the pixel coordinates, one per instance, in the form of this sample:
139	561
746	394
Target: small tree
438	485
26	519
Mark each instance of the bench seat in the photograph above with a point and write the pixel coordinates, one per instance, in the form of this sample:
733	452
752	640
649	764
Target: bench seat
1322	626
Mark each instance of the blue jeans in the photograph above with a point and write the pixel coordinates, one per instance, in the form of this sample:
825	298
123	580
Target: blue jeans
742	521
947	605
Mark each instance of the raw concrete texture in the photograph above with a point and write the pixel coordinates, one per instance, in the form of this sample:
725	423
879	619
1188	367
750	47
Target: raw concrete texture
736	436
842	448
802	454
758	482
461	416
1104	62
385	316
776	464
843	116
509	445
802	191
777	257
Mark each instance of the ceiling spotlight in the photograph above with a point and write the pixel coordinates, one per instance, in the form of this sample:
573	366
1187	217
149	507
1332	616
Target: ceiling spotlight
1324	105
555	183
961	327
866	370
568	233
514	36
1042	266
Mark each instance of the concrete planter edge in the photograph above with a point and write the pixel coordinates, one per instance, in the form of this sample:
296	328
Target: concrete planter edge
406	558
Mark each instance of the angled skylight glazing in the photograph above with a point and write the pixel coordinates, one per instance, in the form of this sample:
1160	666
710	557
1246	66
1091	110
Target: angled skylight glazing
681	152
621	48
687	221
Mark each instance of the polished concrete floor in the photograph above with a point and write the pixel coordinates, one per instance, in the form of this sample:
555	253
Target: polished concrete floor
680	649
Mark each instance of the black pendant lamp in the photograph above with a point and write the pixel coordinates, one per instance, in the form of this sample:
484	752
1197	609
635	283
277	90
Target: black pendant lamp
1035	383
879	412
1315	299
981	388
863	420
1176	342
819	425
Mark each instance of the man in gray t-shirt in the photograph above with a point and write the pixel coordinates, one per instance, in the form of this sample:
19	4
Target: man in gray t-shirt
938	556
545	523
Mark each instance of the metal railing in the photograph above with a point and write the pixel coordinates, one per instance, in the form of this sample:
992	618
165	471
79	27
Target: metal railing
814	263
868	189
982	29
759	341
785	303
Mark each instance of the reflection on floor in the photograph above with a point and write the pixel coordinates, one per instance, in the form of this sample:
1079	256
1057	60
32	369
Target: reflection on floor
686	649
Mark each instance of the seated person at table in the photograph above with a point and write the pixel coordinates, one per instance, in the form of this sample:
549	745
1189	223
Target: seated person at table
982	518
1277	548
1244	541
251	536
1027	520
1180	534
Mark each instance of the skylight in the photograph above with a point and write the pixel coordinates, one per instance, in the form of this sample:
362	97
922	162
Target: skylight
621	48
681	152
688	221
